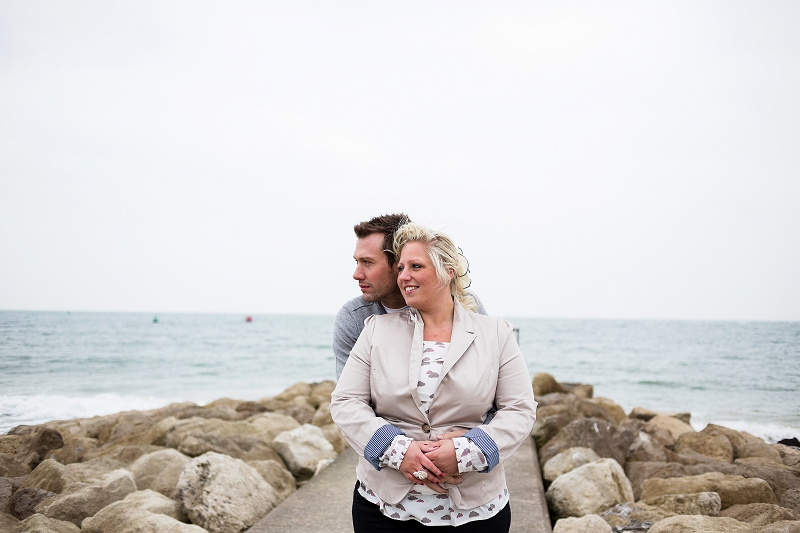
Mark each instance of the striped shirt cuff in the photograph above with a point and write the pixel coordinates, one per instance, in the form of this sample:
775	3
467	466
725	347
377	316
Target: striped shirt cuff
487	446
378	444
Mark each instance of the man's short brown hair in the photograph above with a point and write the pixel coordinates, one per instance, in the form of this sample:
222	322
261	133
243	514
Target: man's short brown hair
386	224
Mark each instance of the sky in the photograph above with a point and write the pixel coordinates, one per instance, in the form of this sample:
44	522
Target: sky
634	160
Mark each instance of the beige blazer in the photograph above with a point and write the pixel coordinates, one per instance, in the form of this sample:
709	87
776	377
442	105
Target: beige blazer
484	368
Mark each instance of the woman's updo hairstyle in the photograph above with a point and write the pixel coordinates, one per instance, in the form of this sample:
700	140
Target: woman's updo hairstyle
445	256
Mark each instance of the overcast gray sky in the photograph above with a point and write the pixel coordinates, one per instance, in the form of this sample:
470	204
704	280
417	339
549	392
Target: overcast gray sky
592	159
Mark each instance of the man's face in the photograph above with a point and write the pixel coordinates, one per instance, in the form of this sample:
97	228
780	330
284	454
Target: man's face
377	280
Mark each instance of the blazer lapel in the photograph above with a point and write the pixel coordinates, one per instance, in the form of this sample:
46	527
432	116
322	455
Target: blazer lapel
463	335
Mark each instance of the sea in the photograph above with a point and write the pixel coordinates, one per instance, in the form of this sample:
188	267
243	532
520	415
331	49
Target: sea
63	365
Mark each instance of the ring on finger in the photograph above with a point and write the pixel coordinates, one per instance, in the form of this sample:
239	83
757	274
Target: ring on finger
420	474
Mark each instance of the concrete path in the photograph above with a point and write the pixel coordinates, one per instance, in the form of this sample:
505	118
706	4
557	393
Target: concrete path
323	504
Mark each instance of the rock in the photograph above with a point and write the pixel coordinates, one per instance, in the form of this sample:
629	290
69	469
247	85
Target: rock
544	383
699	503
646	448
10	467
85	499
144	511
123	454
759	449
711	444
321	393
791	500
642	414
37	446
302	413
298	389
322	417
94	469
277	476
38	523
7	523
240	447
638	472
662	436
617	413
780	478
547	427
783	526
631	516
75	449
759	514
672	425
6	490
789	456
591	488
568	460
581	390
127	424
334	436
270	425
136	521
760	461
737	439
223	494
225	402
304	450
601	436
697	524
591	523
159	471
731	489
24	501
51	476
222	413
248	409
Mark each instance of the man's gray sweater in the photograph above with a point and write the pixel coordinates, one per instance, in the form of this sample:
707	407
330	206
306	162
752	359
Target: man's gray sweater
350	323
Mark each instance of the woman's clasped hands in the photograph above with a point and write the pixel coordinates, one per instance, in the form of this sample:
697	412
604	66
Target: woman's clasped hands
436	458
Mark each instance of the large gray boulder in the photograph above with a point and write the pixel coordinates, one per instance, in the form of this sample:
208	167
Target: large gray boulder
24	501
731	489
589	489
38	523
85	499
646	448
223	494
568	460
602	436
143	511
591	523
304	450
159	471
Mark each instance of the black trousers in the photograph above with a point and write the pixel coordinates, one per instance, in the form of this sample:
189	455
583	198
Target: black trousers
368	518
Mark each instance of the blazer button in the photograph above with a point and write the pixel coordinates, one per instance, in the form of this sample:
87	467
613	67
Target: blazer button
426	428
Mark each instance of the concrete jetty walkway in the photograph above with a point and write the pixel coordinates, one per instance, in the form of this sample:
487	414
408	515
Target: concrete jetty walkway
323	504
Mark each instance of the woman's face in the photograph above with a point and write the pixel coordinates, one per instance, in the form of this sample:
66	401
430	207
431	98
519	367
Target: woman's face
417	278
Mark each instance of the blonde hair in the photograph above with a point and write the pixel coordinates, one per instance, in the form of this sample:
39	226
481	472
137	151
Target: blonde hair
444	255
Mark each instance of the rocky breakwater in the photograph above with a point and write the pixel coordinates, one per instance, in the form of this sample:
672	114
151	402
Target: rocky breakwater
606	470
183	468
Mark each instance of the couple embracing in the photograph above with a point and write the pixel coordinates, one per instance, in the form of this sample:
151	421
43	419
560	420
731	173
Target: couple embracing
432	394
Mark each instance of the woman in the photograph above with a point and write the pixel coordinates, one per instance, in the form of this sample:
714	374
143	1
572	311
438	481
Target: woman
434	368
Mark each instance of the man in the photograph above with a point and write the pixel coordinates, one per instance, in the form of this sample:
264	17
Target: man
377	278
